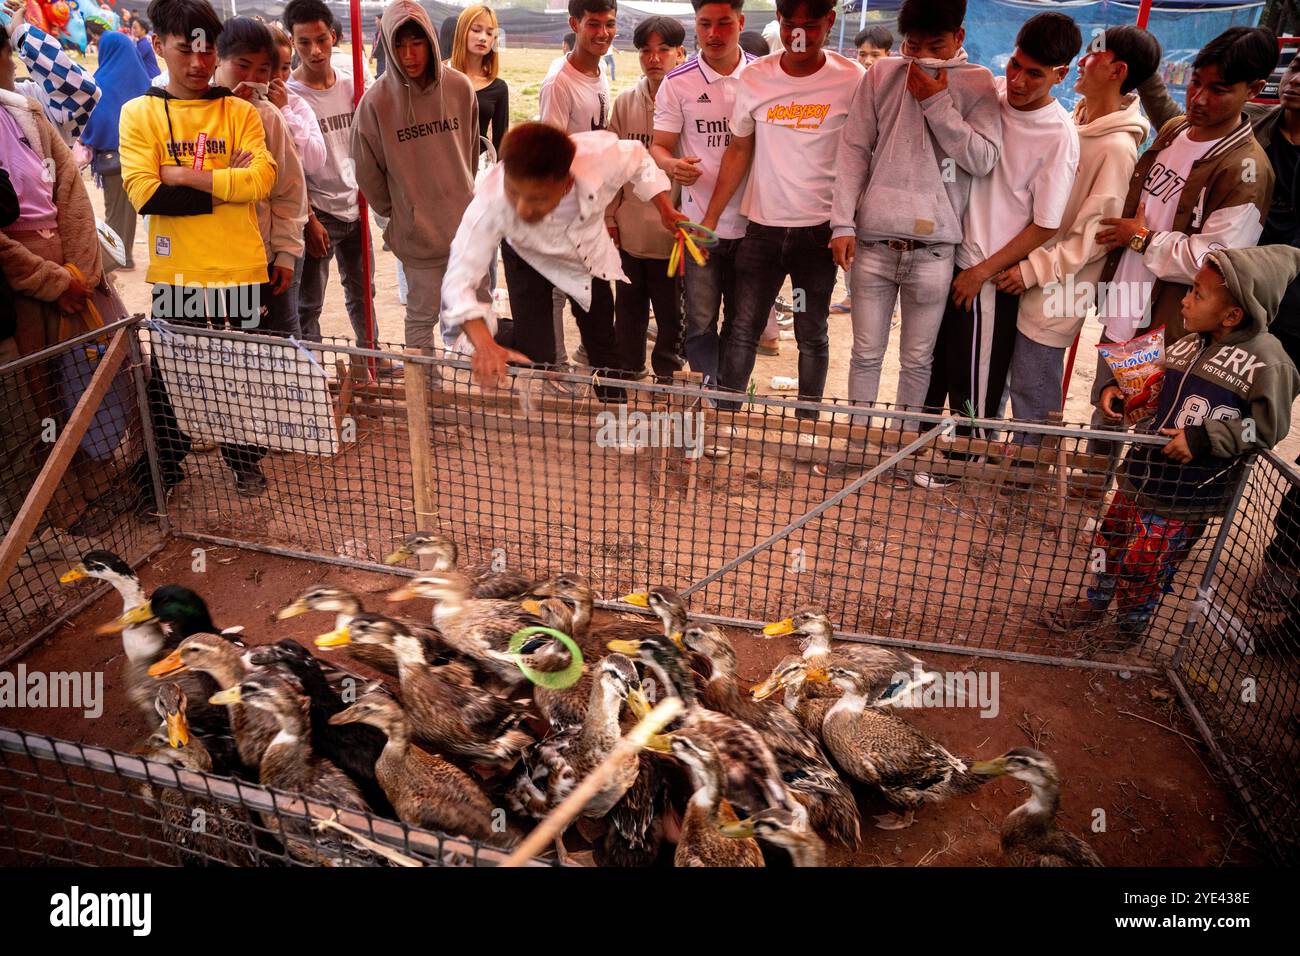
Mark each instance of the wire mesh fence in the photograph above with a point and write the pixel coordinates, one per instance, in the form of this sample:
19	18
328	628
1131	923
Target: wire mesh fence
39	394
1042	542
1236	665
64	803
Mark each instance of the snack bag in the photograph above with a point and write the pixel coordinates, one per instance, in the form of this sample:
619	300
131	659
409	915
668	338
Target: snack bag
1139	369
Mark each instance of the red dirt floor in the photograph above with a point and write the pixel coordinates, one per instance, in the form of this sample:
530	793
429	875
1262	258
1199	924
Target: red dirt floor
1164	800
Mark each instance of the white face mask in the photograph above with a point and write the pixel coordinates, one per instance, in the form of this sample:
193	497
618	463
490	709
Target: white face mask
259	89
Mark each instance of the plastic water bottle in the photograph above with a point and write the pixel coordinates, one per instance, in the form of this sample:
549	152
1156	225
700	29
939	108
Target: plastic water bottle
783	383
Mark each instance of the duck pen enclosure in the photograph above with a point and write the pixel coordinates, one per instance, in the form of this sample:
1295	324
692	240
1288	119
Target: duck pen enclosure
250	469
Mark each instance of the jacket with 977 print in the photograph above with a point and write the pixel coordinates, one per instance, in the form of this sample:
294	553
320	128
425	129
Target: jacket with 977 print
1231	397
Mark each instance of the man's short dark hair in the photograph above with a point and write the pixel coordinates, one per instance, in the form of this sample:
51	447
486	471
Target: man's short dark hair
305	11
752	42
877	37
411	28
570	40
1052	39
734	4
246	35
670	31
579	8
1242	54
185	19
931	17
813	9
537	151
1138	49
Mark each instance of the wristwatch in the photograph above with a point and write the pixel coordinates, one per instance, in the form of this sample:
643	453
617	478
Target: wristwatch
1141	239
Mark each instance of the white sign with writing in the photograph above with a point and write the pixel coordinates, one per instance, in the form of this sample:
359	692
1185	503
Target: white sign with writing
253	393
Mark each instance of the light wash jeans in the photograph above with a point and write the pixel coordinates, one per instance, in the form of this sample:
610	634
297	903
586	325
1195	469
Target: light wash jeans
919	280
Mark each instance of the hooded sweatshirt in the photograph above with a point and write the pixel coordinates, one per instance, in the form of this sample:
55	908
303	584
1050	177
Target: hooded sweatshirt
641	232
1231	397
282	216
198	238
416	146
1054	305
904	167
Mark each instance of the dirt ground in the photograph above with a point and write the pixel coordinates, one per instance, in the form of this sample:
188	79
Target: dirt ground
1122	745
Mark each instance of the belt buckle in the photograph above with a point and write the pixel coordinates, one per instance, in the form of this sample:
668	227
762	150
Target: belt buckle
898	245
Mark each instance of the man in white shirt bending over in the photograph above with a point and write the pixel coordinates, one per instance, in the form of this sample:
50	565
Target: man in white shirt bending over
546	197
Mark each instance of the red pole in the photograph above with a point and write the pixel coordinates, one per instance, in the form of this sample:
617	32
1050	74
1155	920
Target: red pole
1144	15
359	87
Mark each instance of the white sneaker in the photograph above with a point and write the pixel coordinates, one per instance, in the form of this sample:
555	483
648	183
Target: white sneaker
721	434
926	480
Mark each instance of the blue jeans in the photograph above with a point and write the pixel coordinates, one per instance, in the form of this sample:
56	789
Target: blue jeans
710	295
767	255
345	249
919	280
1036	373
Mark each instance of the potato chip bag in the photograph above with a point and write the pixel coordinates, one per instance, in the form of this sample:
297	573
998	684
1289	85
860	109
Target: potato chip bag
1139	369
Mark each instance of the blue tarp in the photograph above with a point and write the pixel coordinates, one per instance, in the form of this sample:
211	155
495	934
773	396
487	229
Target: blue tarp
991	27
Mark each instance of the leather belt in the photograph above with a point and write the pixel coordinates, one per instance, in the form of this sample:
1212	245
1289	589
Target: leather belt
904	245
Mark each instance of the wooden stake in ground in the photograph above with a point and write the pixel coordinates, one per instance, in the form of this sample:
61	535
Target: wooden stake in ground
421	443
636	738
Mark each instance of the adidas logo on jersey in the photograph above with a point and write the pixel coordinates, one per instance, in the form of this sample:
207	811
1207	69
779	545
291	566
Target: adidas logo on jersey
704	98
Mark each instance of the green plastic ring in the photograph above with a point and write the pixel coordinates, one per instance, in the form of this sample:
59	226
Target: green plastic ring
558	680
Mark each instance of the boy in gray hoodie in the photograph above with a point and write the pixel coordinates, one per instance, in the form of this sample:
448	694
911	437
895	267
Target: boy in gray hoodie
1228	390
921	127
415	141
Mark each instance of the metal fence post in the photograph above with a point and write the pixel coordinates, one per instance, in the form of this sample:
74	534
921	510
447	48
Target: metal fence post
138	372
1205	589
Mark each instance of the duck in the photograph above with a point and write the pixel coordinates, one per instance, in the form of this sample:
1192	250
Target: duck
180	612
701	842
634	831
447	709
876	747
346	605
808	773
577	592
210	663
670	607
1030	836
751	776
780	828
354	749
566	707
905	672
496	585
143	642
289	764
553	767
226	836
476	628
789	676
426	790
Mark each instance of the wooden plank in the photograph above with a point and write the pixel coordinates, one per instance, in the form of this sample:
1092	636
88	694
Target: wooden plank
56	465
420	441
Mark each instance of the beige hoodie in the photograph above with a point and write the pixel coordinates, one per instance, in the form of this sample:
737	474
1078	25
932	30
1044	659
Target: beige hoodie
641	231
282	215
1054	306
416	146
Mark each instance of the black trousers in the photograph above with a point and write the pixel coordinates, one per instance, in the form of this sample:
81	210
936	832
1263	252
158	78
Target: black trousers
650	285
957	359
534	327
220	309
